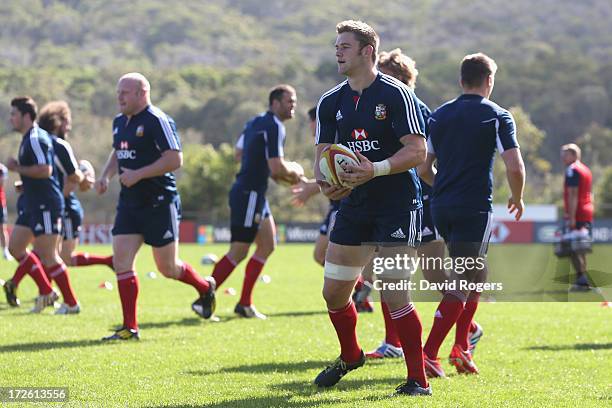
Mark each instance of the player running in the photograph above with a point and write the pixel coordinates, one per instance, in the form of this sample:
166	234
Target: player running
463	136
43	205
262	156
55	117
377	117
146	150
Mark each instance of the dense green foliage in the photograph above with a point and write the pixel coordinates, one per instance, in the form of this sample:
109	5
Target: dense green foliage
211	63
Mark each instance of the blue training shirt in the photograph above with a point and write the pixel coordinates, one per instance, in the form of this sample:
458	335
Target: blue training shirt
464	134
373	124
39	194
263	138
66	165
138	142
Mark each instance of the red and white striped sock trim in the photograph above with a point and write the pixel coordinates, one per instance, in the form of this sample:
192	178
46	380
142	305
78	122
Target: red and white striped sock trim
404	311
342	309
57	270
258	259
24	258
126	275
234	263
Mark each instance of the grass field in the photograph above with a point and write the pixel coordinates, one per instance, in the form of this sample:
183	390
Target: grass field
532	354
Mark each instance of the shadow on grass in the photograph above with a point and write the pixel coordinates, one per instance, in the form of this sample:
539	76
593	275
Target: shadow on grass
276	401
578	346
264	368
48	345
297	314
305	389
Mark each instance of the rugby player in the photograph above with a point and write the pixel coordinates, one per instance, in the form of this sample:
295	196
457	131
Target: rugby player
376	116
262	156
146	150
463	136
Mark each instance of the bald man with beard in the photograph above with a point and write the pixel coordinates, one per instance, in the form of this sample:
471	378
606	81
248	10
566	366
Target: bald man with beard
146	150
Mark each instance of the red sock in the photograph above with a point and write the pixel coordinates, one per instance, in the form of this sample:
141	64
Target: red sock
473	326
253	269
359	283
222	270
345	322
128	292
391	336
59	274
446	315
409	329
464	323
191	277
85	259
31	265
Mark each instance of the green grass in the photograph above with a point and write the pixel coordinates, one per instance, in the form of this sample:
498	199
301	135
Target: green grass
532	354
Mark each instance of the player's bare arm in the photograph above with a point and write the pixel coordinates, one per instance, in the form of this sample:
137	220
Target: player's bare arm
302	192
169	161
39	171
572	204
427	171
411	155
515	173
330	191
109	171
280	170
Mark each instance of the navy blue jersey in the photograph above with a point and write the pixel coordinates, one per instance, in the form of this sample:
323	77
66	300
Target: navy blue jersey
373	124
138	142
426	190
65	165
263	138
39	194
464	134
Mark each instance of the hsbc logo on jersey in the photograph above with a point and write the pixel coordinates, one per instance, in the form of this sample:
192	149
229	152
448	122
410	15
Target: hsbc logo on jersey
124	153
359	134
361	143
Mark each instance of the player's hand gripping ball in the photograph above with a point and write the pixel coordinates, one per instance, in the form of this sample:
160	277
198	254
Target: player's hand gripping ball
90	175
333	162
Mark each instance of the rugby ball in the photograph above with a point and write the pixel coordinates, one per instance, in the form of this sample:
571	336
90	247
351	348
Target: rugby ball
90	175
87	168
333	162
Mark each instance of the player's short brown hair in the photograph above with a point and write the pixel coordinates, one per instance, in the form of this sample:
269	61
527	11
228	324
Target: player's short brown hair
402	66
52	115
25	104
363	32
571	147
476	68
277	93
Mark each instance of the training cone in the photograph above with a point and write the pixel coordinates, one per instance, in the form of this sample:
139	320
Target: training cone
106	285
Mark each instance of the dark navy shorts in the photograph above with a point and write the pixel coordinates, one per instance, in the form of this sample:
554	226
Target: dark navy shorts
331	214
429	232
41	221
158	223
73	218
466	231
3	216
247	208
351	228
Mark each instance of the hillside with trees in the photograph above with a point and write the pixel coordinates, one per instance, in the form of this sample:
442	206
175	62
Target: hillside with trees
211	63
